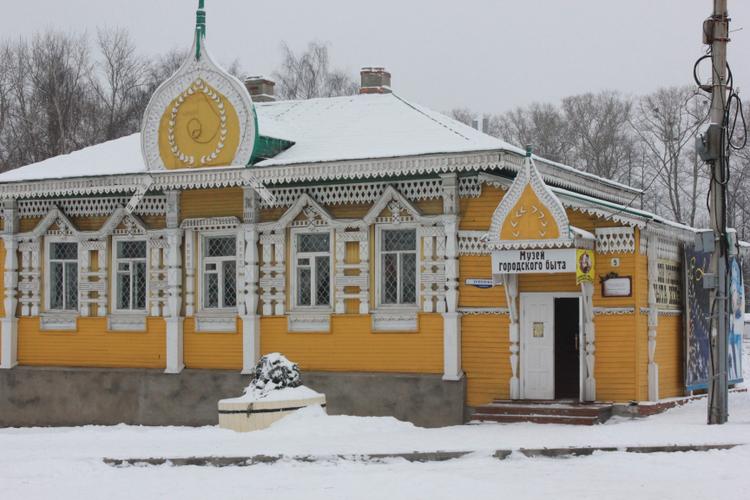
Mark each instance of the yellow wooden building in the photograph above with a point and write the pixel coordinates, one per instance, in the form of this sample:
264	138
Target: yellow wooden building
357	235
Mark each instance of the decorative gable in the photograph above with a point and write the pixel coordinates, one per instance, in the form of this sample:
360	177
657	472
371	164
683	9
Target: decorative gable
529	215
200	117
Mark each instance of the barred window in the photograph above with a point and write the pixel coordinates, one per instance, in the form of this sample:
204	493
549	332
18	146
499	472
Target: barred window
130	269
63	276
398	273
313	269
219	272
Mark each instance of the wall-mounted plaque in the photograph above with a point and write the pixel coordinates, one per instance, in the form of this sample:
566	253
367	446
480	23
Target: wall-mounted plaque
481	282
617	287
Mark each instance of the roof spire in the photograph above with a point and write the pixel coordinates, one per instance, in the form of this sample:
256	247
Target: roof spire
200	27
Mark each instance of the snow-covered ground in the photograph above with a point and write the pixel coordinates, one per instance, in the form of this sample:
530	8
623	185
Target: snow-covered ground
66	463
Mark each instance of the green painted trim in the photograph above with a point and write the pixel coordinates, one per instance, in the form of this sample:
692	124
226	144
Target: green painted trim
200	27
268	147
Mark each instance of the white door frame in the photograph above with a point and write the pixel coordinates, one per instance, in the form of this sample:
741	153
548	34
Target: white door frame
581	343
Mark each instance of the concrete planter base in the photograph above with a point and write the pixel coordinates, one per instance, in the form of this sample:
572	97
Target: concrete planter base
247	416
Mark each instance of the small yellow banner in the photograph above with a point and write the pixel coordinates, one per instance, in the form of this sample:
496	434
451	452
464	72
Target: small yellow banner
584	266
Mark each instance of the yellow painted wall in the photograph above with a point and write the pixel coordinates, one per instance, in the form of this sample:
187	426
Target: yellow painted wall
615	358
224	202
485	357
212	350
353	346
92	345
669	356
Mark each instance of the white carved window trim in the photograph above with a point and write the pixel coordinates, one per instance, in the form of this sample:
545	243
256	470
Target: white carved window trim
48	241
115	293
294	233
222	319
395	317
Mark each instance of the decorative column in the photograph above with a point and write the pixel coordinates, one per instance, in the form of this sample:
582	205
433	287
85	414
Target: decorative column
248	303
9	323
451	317
510	285
189	273
653	317
272	279
589	337
173	307
101	256
84	269
29	277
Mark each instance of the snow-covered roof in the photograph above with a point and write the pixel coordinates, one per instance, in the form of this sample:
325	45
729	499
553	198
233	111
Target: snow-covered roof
326	129
365	126
121	156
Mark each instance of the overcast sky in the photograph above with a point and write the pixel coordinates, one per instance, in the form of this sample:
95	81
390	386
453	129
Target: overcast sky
489	55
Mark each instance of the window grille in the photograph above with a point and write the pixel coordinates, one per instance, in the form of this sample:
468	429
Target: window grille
220	272
399	266
63	279
313	269
130	267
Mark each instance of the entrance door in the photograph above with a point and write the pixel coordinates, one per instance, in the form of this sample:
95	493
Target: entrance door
537	347
567	345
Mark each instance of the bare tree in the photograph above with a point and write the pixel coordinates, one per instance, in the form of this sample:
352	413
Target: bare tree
463	115
666	127
310	75
541	125
598	125
60	74
119	83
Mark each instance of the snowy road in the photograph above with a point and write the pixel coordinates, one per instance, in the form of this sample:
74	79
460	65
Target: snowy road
66	462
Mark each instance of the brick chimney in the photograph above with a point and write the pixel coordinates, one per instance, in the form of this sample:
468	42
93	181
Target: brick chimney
375	81
261	89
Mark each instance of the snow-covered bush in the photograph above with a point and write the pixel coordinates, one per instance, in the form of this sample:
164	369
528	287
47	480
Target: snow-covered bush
274	371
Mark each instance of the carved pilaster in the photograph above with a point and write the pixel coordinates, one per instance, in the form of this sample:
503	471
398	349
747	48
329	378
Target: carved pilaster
364	271
190	273
360	280
340	280
653	318
102	261
9	323
433	277
272	279
510	285
589	337
251	205
249	302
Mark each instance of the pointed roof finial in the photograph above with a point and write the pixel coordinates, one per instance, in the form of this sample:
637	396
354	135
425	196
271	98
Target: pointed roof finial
529	150
200	27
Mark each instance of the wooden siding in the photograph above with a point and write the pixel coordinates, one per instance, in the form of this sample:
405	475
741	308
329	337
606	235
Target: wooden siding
351	345
669	356
477	266
224	202
209	350
615	358
92	345
485	357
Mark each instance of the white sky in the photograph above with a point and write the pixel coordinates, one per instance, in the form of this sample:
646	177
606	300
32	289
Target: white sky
490	55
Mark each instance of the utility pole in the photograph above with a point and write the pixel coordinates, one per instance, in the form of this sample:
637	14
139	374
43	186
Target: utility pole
716	32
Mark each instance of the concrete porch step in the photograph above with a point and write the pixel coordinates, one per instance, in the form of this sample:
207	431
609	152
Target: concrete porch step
536	419
562	412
